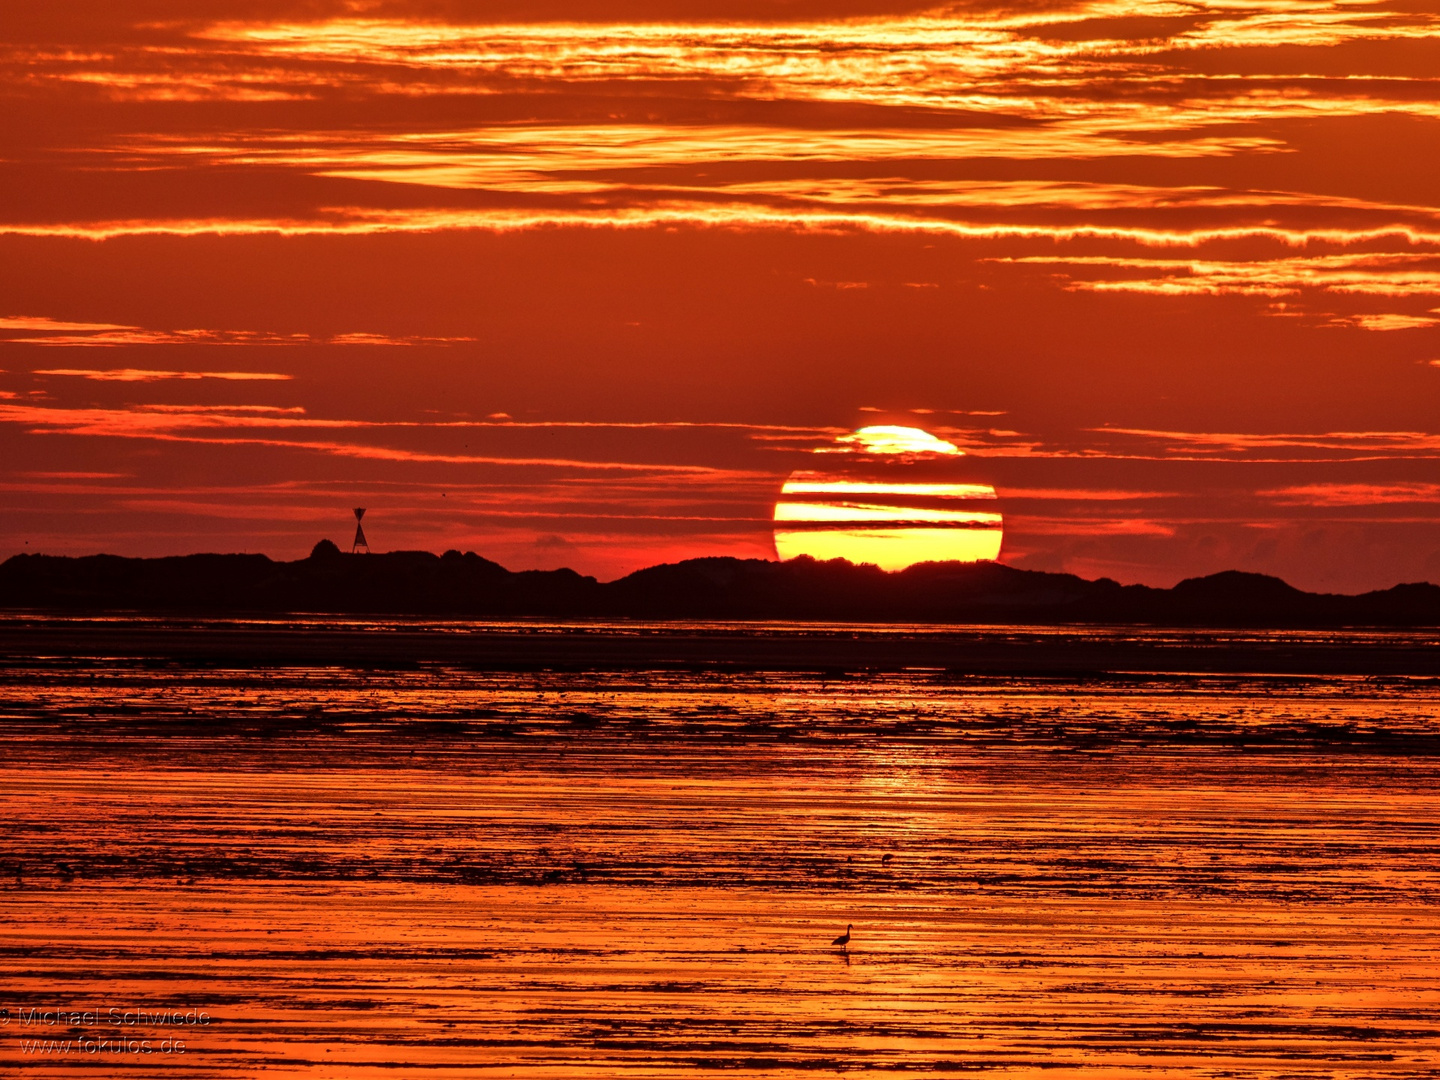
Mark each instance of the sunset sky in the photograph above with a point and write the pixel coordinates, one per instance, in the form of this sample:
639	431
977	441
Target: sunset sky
572	283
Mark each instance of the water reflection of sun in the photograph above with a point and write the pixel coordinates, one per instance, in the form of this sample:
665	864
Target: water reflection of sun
889	496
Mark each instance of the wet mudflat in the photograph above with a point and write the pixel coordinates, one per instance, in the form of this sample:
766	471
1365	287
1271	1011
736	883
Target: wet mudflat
494	870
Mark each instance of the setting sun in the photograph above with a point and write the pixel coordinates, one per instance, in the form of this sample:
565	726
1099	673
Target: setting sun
891	499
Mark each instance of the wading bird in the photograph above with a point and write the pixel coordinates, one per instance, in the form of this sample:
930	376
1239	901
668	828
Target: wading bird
844	939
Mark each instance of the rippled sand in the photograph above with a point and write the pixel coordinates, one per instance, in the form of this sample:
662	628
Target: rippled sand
495	870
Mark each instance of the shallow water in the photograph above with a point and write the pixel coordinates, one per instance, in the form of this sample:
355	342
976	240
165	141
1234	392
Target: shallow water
638	872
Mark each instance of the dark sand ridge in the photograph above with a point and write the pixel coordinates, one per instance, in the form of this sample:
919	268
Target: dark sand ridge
466	585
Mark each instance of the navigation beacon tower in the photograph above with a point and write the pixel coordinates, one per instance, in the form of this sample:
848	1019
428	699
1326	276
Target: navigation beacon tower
360	541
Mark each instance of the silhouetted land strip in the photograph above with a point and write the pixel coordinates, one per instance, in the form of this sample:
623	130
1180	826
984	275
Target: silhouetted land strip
468	586
407	609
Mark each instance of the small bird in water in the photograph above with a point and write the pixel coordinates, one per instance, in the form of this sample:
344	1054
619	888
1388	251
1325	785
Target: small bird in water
844	939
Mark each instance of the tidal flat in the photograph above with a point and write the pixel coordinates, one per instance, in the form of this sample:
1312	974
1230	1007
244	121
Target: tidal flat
543	850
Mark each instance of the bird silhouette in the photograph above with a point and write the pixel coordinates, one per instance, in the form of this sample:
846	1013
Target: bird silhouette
844	939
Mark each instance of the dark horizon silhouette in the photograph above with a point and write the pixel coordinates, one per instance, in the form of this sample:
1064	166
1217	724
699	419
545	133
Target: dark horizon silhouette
331	581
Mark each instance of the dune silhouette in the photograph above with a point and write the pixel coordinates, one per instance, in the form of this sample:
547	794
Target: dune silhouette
467	585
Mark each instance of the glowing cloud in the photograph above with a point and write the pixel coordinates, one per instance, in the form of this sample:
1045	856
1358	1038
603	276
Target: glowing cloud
36	322
55	332
145	375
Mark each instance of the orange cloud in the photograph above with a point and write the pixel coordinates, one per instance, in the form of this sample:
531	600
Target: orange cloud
387	339
1258	447
1018	494
235	424
1382	494
146	375
1392	274
984	86
1387	321
35	322
111	335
